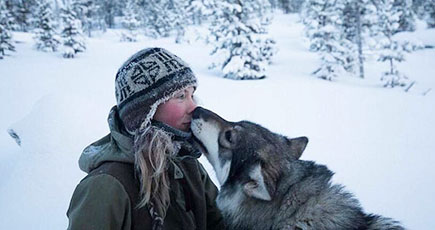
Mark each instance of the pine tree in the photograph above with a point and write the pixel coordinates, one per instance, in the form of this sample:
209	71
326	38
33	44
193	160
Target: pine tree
351	27
6	41
22	13
288	6
86	12
97	14
418	8
107	10
239	38
72	34
324	27
155	23
45	34
291	6
358	16
130	22
198	11
429	13
180	17
391	51
407	16
158	24
11	7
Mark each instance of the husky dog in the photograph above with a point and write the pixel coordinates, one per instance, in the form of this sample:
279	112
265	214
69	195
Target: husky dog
265	186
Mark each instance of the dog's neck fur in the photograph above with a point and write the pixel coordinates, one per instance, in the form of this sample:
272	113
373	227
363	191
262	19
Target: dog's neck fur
290	183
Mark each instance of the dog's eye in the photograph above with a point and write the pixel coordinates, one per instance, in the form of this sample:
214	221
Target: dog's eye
252	184
228	136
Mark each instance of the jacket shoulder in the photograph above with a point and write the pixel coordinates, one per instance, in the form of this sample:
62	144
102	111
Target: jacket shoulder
125	174
99	201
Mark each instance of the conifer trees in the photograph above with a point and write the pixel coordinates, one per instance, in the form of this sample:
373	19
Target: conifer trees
72	34
238	36
406	18
6	41
130	22
45	31
323	20
390	50
429	13
339	32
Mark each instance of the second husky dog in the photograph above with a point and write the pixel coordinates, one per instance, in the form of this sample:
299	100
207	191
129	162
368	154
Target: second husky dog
265	186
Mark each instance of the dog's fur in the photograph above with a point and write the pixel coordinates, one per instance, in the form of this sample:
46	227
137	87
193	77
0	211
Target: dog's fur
265	186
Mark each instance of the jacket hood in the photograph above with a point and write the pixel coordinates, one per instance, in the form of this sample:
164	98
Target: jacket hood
116	146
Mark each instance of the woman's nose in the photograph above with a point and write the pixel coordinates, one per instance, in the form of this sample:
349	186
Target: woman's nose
192	105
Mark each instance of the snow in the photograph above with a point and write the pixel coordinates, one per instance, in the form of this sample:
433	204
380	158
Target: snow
379	141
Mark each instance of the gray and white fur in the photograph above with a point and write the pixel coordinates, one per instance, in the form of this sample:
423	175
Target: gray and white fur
264	184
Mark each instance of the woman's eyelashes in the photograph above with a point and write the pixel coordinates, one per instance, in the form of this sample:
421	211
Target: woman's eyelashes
181	95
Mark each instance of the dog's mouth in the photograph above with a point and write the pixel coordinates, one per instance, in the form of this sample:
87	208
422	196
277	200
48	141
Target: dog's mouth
199	145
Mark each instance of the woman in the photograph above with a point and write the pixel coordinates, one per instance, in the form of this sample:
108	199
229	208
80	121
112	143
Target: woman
145	173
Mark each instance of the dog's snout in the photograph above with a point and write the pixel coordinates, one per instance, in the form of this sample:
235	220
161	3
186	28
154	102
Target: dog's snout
208	116
200	112
197	112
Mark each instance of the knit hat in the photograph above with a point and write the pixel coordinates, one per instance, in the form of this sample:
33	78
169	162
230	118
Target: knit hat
146	80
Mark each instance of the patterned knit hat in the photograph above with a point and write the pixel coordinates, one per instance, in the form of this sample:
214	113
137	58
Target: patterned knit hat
146	80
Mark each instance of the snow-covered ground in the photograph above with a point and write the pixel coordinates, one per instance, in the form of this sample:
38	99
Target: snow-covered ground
380	142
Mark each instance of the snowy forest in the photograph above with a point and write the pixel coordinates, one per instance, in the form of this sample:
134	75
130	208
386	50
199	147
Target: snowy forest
341	32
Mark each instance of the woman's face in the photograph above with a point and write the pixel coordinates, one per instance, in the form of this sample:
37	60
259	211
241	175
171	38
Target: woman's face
177	111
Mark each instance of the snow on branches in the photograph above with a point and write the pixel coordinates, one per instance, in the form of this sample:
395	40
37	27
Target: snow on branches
390	50
239	39
6	41
45	32
323	20
72	34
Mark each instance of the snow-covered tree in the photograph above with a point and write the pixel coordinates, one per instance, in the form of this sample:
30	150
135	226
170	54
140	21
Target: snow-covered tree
45	32
429	13
197	11
358	16
6	41
288	6
97	14
268	50
180	18
108	10
157	24
11	7
418	8
323	21
239	38
391	50
407	16
72	34
22	13
86	12
130	22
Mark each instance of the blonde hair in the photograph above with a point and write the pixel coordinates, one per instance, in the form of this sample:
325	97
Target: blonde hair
153	148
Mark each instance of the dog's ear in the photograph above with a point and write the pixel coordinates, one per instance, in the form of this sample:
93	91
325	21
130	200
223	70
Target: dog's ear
256	187
297	146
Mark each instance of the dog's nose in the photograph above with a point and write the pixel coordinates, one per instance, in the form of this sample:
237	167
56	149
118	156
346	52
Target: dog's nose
205	114
197	112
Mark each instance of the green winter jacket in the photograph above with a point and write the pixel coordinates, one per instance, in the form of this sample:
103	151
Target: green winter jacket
102	202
